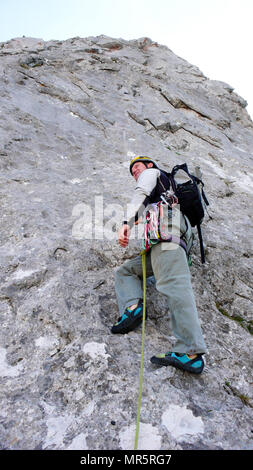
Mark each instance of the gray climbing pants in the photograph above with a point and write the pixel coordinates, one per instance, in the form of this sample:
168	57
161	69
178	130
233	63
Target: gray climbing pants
172	275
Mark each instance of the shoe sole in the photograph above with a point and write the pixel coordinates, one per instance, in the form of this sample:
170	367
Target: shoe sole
174	363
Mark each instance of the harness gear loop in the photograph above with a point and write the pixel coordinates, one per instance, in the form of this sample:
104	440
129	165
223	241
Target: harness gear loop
155	230
143	253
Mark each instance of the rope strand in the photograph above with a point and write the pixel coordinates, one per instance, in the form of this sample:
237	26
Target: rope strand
142	351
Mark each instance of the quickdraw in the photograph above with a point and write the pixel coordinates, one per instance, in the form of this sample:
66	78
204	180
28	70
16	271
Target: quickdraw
151	232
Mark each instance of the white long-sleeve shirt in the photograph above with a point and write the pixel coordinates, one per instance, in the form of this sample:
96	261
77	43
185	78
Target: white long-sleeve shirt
145	184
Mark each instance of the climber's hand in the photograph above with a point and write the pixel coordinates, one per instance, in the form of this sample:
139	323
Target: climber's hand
123	235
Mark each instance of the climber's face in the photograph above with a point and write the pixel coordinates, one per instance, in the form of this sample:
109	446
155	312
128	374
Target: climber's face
138	168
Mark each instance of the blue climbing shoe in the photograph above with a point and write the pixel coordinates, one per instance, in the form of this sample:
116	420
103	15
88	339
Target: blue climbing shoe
180	361
129	320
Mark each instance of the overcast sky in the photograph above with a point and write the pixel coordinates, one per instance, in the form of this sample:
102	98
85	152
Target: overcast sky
214	35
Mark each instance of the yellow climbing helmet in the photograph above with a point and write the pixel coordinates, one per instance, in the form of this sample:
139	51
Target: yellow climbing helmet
143	159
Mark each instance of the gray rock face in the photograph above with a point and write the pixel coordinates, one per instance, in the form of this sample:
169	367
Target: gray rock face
72	115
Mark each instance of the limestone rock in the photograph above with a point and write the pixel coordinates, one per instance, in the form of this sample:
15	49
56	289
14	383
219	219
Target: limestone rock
72	115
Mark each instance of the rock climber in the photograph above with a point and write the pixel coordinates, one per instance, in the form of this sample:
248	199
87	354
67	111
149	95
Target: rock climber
169	266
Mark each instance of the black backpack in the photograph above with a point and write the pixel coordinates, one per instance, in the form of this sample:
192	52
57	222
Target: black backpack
190	199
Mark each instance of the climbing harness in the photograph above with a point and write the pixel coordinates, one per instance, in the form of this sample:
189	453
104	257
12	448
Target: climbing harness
156	224
143	253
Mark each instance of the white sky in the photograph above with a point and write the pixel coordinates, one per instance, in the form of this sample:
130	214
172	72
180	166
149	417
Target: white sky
214	35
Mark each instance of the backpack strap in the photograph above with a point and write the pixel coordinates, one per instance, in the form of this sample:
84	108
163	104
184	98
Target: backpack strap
202	252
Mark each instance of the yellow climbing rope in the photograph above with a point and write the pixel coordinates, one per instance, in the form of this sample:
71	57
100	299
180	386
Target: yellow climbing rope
143	253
